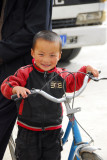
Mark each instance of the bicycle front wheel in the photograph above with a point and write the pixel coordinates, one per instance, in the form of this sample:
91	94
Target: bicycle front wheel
90	156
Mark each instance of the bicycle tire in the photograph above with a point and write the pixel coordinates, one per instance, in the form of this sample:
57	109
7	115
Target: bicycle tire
12	148
90	156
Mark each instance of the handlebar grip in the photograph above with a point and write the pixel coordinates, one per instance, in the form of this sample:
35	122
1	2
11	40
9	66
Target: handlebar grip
91	75
15	97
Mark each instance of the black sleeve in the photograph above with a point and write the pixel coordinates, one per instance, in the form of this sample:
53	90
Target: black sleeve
37	17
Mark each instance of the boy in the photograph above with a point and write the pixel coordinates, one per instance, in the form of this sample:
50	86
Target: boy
39	119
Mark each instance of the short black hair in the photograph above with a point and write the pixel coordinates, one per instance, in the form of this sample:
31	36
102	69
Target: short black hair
49	36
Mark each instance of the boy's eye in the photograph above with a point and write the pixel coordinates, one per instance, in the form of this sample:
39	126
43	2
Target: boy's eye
40	54
52	55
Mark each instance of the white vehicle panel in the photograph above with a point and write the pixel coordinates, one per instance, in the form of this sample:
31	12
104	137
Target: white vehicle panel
86	35
63	12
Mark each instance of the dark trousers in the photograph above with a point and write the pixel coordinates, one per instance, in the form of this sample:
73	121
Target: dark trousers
8	114
38	145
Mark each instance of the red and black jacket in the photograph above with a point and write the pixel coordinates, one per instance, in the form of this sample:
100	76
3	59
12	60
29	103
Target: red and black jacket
35	112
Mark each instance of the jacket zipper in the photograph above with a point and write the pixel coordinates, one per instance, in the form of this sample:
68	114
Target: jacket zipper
45	75
43	128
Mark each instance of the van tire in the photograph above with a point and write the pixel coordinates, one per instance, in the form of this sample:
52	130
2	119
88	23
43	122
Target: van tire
68	54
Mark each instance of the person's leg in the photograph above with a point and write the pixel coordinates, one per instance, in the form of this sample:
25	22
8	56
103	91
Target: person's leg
28	145
52	145
8	114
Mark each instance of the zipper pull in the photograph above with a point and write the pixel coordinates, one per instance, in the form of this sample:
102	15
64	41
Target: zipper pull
45	74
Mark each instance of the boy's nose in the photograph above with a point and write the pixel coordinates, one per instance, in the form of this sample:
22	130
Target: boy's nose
46	59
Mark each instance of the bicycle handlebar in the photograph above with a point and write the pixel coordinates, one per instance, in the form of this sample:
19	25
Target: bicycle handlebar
51	98
63	99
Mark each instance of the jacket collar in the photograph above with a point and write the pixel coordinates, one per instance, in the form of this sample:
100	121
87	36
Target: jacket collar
40	70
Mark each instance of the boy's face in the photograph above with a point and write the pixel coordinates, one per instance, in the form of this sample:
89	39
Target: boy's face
46	54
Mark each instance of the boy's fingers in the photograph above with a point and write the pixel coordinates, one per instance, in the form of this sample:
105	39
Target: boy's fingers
25	93
18	95
28	91
95	73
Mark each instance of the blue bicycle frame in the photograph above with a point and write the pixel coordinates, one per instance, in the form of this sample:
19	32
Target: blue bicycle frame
76	140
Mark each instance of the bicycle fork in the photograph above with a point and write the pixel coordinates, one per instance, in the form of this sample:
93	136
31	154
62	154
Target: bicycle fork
77	139
78	146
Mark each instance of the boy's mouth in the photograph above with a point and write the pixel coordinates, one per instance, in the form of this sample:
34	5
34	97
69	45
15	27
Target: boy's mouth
46	65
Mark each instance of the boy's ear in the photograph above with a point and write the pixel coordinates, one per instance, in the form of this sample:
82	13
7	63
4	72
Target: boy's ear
32	53
60	55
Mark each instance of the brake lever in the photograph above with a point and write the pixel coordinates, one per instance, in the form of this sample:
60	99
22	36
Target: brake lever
92	77
96	78
102	78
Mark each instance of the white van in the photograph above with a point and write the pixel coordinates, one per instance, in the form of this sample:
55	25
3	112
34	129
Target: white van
79	23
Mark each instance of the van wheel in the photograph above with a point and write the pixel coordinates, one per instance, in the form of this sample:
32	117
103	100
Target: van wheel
68	54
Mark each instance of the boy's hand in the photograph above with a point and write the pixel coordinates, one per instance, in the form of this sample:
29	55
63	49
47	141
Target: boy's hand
21	91
92	70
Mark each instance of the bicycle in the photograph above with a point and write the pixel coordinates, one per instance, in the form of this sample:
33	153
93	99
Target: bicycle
79	150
